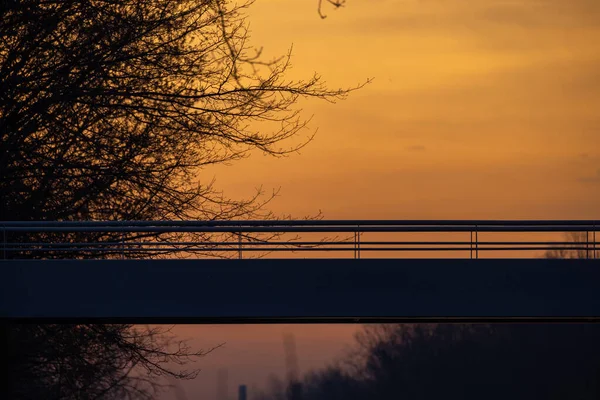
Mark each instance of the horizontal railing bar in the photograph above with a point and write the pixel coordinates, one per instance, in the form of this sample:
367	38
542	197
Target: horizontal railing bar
306	229
271	223
217	249
315	244
245	236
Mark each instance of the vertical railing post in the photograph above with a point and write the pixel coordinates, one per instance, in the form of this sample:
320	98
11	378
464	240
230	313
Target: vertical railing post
594	239
3	242
587	244
476	243
240	243
471	245
358	241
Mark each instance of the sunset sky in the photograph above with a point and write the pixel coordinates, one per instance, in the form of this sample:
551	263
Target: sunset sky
478	109
482	109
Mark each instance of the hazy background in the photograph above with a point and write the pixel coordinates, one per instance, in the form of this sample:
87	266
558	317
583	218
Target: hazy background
479	109
251	353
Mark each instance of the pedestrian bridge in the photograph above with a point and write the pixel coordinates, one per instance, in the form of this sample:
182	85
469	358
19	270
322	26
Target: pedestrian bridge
300	271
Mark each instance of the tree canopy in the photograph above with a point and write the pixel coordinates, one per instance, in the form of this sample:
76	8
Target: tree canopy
467	361
109	109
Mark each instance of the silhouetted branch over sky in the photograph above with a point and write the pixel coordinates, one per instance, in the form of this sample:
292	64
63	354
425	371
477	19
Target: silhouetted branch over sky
334	3
109	110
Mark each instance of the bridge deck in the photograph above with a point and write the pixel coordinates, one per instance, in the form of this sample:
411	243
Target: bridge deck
297	290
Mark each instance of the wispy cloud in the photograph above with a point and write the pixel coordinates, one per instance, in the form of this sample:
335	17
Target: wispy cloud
591	178
416	147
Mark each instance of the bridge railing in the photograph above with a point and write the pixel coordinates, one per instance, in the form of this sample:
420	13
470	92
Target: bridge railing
295	238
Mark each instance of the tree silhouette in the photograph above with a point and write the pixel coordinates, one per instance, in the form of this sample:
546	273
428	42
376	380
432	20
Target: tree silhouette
581	249
334	3
60	361
109	110
468	361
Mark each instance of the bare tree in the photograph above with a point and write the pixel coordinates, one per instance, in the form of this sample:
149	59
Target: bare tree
109	110
433	361
56	361
581	248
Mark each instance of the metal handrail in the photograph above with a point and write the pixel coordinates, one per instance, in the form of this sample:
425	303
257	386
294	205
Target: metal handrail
355	224
302	243
217	247
247	236
299	229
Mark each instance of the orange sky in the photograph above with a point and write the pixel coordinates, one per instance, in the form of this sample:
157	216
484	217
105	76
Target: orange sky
482	109
479	109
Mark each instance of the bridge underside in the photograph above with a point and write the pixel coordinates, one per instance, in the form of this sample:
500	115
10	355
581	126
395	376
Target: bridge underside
320	290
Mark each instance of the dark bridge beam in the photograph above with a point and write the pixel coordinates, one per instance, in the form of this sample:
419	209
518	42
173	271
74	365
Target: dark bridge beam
299	290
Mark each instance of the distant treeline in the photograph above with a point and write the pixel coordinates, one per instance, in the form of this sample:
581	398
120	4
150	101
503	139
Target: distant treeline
460	361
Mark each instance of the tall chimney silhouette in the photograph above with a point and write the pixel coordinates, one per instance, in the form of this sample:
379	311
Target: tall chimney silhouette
294	386
242	392
222	389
